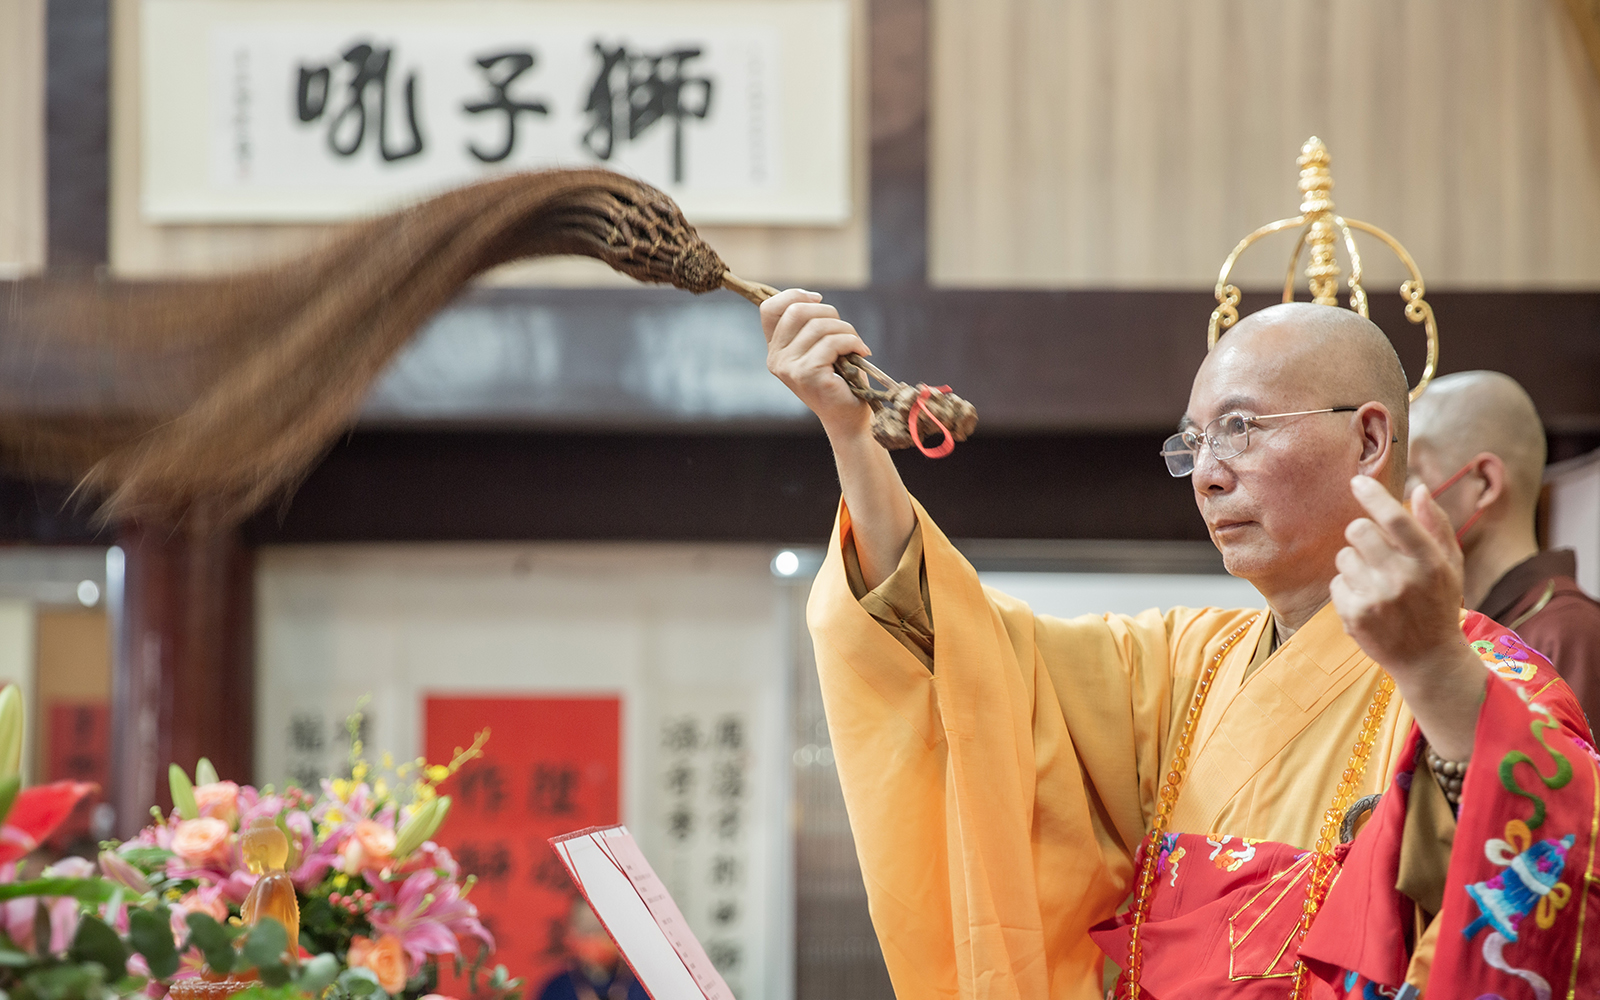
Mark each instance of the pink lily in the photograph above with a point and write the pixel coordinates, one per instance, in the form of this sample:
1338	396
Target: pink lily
315	858
429	856
19	914
428	915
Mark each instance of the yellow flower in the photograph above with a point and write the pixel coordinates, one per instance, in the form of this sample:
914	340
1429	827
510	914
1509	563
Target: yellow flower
388	761
358	771
334	817
438	772
422	792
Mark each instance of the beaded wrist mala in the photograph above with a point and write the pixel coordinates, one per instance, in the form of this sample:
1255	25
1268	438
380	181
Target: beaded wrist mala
1451	775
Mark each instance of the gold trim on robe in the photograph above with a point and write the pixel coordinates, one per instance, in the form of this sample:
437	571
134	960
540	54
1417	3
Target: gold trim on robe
997	799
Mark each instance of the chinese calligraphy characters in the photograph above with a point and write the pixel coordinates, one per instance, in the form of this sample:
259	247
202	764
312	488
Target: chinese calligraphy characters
634	91
705	776
347	130
502	70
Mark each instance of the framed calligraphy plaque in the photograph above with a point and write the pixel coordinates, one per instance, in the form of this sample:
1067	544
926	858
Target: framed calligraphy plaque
289	110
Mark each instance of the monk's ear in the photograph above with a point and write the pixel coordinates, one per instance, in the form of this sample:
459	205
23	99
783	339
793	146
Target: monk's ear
1377	440
1493	470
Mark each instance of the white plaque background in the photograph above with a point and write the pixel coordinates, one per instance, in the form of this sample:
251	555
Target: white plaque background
223	141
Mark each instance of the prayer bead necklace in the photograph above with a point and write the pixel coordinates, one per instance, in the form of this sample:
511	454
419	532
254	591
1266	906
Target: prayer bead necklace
1322	866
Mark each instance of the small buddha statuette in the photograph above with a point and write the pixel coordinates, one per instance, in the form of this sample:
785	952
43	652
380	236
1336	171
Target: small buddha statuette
266	853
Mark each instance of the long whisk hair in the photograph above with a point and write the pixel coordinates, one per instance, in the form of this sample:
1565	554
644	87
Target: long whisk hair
223	393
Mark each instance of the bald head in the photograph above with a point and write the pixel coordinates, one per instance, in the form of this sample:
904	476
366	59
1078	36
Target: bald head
1469	413
1326	398
1322	356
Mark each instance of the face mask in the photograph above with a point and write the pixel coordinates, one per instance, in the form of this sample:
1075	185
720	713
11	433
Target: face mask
1461	531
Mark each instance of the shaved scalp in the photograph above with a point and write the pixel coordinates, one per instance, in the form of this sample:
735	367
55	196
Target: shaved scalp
1328	356
1466	414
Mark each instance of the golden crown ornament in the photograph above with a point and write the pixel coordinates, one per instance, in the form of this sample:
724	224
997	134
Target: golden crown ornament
1320	229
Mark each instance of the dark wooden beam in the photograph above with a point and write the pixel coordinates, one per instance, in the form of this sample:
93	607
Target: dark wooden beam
1036	361
477	485
772	487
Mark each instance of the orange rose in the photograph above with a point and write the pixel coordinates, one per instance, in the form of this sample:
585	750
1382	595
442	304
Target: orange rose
371	845
384	957
203	840
209	902
377	840
219	799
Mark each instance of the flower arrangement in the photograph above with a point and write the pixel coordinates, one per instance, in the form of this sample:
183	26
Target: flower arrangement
381	905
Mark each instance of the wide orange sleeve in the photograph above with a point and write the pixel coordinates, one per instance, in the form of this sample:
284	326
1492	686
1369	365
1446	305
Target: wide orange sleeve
995	802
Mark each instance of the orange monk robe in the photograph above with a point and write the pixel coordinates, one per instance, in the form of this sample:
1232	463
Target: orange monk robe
997	800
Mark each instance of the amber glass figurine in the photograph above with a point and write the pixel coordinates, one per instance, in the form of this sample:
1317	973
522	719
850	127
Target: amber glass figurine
266	853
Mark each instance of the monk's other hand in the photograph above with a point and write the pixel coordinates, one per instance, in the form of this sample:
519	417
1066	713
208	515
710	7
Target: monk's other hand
1398	593
805	336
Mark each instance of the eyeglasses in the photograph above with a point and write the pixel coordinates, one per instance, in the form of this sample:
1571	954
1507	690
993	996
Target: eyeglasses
1228	437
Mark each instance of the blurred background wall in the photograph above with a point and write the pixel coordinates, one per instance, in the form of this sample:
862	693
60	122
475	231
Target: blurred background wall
572	495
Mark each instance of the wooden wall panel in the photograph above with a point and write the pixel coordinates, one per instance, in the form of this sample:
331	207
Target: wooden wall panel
22	206
834	256
1077	143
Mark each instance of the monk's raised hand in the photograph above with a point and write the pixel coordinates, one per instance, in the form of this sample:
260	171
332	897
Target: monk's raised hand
805	337
1398	593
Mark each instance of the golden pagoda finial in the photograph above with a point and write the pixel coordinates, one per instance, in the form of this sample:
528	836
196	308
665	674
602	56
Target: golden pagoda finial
1316	204
1320	230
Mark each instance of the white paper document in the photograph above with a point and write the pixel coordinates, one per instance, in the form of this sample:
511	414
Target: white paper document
639	914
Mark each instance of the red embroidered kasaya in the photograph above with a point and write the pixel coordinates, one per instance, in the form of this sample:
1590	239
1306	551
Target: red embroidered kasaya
1521	914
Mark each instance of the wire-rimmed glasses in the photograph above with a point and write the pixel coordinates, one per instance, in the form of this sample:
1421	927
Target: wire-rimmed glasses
1228	436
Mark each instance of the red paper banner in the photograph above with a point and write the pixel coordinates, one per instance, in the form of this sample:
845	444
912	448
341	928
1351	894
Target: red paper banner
552	766
80	750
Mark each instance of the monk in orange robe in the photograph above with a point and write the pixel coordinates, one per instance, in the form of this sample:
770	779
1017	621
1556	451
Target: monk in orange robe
1002	769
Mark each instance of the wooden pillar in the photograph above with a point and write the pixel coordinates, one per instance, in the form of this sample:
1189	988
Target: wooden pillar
183	679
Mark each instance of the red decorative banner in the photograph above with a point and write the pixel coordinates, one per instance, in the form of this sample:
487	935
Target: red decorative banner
552	766
80	750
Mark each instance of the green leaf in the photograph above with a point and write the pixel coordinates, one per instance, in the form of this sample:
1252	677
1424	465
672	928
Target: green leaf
213	941
182	793
96	942
150	933
204	773
317	974
9	787
129	985
12	958
360	982
146	857
87	890
416	829
265	945
10	731
67	982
